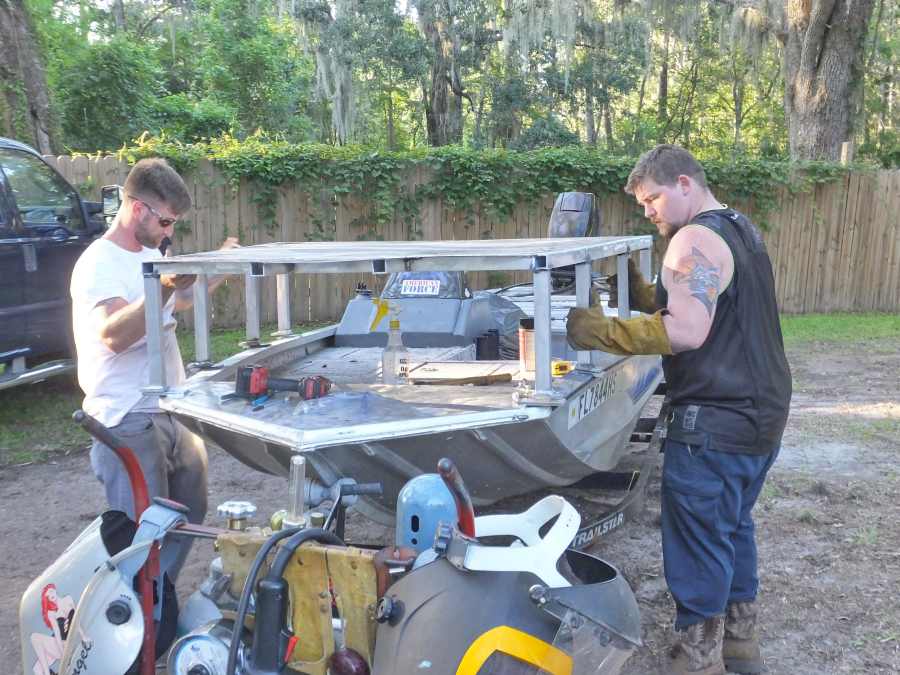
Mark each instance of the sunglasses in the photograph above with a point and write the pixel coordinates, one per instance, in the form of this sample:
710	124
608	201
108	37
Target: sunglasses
163	221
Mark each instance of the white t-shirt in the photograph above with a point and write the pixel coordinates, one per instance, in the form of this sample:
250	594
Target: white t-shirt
112	382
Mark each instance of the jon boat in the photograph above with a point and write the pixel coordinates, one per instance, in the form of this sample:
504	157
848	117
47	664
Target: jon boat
521	431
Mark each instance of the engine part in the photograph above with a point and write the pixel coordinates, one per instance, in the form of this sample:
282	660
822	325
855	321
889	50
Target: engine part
207	604
575	214
465	512
203	651
296	493
270	634
422	503
236	513
491	609
346	661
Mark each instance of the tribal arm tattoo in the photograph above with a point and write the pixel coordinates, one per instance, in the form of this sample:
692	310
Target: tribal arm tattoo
701	277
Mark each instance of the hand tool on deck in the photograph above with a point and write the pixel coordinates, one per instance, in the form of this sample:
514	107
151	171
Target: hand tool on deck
253	382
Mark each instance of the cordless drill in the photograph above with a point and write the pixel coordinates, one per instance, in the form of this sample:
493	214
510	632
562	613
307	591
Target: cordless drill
253	382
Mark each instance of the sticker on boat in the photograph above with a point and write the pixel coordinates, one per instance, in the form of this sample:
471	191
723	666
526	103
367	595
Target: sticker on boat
420	287
591	398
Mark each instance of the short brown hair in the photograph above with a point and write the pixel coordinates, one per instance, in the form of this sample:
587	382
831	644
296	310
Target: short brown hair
663	164
156	179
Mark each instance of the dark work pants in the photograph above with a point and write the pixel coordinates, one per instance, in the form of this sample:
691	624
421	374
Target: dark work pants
174	462
709	548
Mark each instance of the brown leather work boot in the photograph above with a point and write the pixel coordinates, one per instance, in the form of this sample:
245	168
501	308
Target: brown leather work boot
740	649
700	650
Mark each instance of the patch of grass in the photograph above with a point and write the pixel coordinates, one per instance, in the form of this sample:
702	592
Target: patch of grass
770	492
807	517
866	536
839	327
223	342
36	420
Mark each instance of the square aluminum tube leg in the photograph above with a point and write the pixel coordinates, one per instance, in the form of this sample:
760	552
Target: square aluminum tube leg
283	299
543	383
645	263
253	295
583	299
153	317
622	272
201	319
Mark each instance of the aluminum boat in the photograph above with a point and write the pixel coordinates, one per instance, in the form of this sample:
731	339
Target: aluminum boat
509	429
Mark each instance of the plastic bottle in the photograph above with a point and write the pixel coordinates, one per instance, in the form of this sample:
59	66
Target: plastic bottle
395	357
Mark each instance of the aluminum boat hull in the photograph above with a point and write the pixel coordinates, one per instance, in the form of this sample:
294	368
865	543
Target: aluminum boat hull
389	434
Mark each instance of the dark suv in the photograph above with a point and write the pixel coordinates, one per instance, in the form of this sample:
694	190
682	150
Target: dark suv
44	227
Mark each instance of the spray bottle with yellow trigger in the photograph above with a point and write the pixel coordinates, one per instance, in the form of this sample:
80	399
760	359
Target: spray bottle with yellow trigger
395	357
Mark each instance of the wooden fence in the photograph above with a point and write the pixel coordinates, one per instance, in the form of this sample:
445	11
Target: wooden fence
833	248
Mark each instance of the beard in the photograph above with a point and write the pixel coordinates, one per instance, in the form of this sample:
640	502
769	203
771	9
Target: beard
668	230
144	238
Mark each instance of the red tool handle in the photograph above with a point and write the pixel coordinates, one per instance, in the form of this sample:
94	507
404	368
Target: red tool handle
465	513
141	501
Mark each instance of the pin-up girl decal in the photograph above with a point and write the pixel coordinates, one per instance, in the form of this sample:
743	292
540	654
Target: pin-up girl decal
57	613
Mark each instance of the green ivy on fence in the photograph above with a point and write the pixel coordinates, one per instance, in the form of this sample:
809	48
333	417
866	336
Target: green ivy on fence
495	181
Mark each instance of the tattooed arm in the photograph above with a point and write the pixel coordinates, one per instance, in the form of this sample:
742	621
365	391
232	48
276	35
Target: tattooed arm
698	267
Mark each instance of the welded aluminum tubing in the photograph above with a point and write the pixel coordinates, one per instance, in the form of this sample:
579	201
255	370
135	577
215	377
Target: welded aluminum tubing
297	488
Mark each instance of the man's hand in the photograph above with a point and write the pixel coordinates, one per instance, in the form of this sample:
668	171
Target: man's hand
591	329
641	295
177	282
230	243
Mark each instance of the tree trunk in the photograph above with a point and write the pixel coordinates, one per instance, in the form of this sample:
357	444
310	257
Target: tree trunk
389	113
118	12
590	125
607	125
479	117
662	112
391	134
443	109
738	92
823	58
637	137
23	80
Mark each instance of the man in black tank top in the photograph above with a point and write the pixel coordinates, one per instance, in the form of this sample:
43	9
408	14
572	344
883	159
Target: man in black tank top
714	319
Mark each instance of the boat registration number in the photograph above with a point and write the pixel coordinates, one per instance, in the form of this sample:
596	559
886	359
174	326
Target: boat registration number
591	398
420	287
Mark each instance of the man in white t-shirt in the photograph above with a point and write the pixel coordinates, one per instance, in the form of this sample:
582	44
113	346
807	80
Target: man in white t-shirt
107	290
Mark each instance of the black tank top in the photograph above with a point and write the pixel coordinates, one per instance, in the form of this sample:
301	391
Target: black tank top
733	393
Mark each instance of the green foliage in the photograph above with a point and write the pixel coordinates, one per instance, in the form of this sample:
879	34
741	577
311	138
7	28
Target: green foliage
252	60
398	75
544	132
108	93
190	120
495	181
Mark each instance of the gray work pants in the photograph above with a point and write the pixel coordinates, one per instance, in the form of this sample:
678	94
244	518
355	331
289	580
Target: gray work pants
174	462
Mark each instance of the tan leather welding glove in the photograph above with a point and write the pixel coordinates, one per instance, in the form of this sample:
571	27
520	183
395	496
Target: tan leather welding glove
591	329
641	295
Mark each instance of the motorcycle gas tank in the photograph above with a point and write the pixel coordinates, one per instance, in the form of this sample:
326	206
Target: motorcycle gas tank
49	604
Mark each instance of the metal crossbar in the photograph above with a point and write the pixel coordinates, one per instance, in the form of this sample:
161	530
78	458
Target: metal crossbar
540	256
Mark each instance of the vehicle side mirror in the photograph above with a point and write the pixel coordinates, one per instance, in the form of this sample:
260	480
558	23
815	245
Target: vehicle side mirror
112	199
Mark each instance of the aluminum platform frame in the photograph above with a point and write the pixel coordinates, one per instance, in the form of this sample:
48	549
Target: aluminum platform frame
540	256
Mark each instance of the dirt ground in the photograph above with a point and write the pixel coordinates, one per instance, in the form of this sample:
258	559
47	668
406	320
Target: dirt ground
828	524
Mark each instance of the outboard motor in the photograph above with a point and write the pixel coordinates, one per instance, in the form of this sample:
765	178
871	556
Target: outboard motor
436	309
575	214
